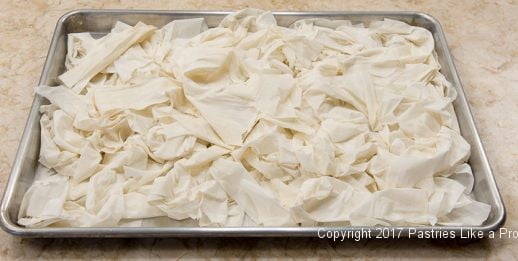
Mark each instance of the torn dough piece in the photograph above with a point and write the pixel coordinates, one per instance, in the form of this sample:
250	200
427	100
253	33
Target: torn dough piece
103	54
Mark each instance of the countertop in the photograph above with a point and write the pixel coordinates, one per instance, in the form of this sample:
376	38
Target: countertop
482	35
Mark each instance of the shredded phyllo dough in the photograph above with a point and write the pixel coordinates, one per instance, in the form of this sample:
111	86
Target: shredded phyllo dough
252	124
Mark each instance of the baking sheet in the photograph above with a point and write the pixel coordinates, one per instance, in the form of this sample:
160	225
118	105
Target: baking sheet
99	22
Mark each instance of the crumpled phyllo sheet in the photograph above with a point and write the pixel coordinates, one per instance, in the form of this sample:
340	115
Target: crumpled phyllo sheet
252	124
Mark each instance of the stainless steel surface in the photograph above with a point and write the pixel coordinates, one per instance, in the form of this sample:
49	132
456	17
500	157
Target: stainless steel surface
101	21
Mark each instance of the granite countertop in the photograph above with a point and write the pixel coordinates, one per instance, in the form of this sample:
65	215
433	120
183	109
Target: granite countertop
481	34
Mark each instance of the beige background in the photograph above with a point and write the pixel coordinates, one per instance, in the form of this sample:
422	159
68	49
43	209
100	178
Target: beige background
483	36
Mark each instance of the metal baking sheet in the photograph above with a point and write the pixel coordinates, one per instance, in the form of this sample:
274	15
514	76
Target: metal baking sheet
101	21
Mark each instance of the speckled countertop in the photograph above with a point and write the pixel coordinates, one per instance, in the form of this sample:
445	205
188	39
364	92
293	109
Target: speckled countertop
482	35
